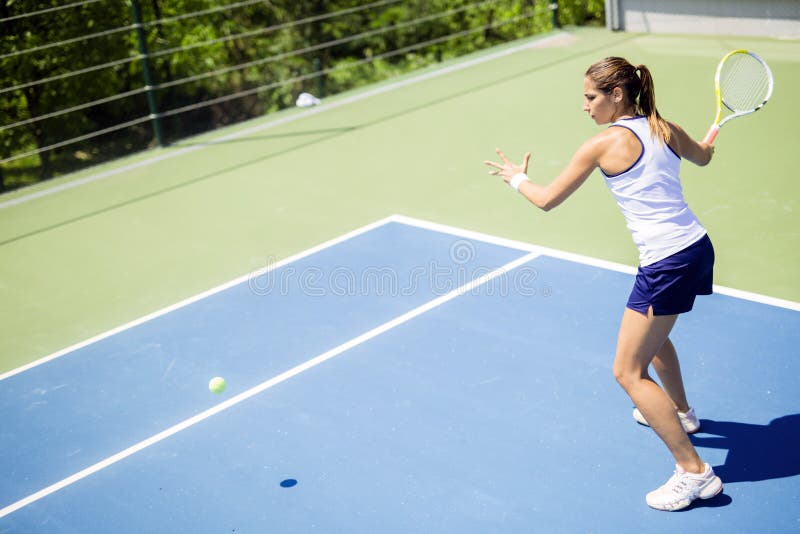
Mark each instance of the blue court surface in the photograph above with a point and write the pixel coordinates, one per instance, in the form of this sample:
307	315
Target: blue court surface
405	378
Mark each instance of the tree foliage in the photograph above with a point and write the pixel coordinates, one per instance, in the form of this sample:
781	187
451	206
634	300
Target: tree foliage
212	66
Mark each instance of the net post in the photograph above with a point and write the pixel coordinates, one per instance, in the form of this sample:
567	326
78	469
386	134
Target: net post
148	78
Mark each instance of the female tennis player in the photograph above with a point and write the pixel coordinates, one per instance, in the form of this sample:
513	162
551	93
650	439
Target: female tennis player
639	157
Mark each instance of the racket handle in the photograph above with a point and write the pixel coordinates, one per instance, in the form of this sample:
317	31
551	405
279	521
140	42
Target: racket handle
711	135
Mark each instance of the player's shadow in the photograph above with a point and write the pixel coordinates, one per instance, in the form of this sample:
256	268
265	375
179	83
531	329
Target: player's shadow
755	452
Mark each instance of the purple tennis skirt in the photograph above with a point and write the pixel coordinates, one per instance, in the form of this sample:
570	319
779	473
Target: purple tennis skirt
671	285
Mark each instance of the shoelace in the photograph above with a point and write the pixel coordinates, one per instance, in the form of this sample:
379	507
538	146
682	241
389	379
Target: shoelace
683	484
680	486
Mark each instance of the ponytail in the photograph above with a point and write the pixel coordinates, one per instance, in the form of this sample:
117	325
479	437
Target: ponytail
637	86
646	105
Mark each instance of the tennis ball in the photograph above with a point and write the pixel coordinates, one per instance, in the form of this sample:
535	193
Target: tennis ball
216	384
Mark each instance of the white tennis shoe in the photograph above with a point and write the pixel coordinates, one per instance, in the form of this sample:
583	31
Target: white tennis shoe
689	420
682	488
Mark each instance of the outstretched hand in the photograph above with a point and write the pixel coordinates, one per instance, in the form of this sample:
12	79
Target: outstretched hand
507	169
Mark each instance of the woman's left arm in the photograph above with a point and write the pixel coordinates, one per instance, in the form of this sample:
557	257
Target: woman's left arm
547	197
697	152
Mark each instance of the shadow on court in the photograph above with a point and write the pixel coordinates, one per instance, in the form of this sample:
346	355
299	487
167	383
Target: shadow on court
723	499
326	134
175	187
755	452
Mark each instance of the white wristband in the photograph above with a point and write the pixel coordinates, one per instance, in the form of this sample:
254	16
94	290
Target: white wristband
517	179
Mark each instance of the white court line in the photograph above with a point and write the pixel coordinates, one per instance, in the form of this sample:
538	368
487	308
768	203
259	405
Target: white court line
199	296
325	106
294	371
409	221
533	252
510	243
586	260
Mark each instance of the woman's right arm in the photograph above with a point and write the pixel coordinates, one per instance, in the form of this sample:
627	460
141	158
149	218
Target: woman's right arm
547	197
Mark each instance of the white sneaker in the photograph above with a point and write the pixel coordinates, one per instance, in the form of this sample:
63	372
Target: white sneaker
682	488
689	420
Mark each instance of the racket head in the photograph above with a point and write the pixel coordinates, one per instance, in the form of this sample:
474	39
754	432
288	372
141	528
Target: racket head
744	83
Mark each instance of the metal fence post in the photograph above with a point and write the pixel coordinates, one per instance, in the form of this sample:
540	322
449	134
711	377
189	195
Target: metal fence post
148	78
320	77
554	8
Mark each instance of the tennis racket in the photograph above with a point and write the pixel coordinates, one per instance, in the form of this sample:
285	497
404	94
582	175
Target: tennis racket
743	84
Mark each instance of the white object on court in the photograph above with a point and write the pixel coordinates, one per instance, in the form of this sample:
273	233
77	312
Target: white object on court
306	100
689	420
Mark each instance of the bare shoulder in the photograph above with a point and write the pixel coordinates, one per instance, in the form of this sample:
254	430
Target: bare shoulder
613	134
611	139
616	149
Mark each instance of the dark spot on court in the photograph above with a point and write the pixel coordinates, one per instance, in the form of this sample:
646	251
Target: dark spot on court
288	483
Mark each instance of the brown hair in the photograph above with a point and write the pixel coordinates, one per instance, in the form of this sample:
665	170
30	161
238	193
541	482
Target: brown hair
638	89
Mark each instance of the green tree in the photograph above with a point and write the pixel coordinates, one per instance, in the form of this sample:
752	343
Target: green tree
215	64
26	45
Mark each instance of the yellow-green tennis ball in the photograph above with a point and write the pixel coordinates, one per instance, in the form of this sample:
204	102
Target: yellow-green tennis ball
216	384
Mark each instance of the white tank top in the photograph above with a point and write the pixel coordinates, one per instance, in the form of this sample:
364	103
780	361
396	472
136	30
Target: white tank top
650	196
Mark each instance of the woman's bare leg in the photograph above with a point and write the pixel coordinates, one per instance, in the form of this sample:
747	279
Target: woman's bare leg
641	337
668	369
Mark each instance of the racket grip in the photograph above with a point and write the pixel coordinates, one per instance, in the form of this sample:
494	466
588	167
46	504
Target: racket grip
711	135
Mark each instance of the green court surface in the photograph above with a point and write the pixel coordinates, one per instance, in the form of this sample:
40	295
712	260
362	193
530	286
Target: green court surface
112	244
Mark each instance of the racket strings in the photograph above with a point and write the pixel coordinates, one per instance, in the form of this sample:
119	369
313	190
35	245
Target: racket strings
744	83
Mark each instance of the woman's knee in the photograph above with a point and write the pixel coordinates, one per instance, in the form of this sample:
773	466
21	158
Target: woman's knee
626	375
